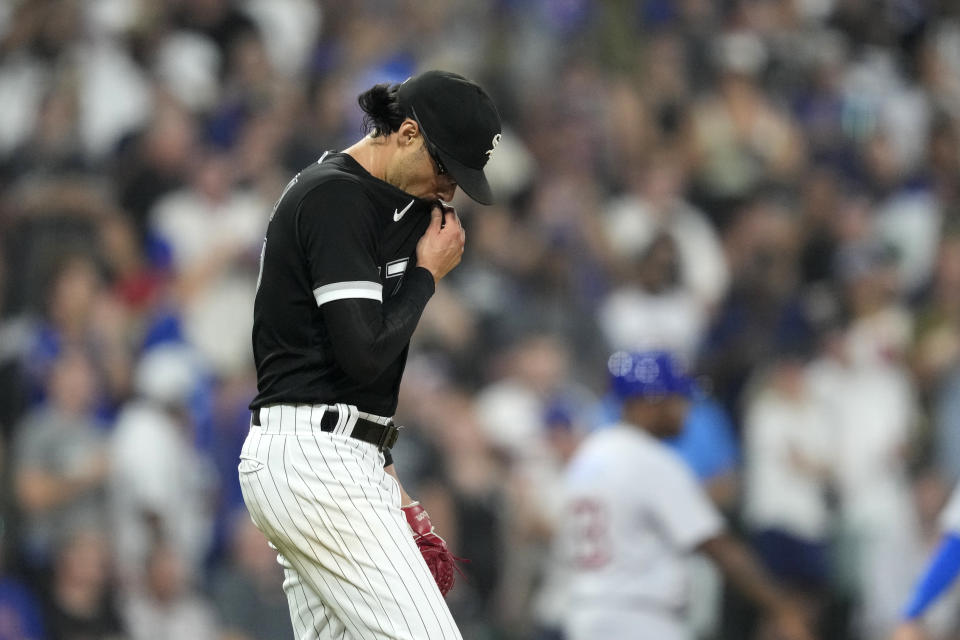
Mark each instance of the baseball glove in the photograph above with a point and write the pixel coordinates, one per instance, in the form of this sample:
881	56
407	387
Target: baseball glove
433	548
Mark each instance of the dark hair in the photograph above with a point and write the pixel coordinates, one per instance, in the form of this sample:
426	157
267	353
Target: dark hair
381	108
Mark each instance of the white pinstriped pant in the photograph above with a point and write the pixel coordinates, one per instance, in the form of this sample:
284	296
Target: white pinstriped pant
323	500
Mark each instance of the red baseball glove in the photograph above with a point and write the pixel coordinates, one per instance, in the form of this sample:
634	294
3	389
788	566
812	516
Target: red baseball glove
434	549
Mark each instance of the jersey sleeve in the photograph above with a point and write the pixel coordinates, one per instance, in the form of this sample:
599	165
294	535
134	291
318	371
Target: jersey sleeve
337	231
683	510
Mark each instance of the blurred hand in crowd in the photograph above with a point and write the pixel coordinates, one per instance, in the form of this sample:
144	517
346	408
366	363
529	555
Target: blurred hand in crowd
909	631
791	624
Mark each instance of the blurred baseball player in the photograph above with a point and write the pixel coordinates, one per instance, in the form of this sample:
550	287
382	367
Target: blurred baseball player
941	572
633	514
353	250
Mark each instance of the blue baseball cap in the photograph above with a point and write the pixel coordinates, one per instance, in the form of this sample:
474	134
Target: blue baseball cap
648	374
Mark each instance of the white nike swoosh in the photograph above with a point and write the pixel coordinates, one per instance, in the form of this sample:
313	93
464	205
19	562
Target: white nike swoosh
399	214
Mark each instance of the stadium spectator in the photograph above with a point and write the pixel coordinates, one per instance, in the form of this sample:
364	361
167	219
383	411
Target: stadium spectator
787	479
80	600
80	313
160	484
60	462
867	390
166	605
652	309
739	140
213	231
763	308
20	613
655	207
936	357
244	586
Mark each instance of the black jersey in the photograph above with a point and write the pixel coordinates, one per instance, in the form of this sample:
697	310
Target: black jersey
336	232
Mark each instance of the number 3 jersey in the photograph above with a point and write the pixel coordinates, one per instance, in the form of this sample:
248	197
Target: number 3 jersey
633	513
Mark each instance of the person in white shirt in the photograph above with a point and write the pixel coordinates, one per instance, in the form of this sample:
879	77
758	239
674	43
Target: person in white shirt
653	307
633	514
160	483
789	441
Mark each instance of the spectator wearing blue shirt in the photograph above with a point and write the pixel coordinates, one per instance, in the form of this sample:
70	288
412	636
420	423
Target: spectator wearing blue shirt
19	613
708	444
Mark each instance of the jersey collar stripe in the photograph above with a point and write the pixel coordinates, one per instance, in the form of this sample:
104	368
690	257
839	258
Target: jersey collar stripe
352	289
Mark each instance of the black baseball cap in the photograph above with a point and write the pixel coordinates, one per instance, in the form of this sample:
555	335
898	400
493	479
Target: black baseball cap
458	122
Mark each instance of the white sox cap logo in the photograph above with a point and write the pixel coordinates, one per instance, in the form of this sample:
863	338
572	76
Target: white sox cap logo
494	142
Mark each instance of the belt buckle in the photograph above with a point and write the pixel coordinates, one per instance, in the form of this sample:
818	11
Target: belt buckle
389	437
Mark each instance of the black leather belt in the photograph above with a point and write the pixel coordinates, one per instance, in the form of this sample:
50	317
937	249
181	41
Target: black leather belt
382	435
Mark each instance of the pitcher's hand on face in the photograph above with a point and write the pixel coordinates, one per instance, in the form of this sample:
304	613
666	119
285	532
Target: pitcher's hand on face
441	246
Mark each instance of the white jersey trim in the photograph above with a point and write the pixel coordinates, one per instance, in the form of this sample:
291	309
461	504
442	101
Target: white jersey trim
352	289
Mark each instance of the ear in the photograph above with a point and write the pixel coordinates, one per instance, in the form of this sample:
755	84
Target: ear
408	132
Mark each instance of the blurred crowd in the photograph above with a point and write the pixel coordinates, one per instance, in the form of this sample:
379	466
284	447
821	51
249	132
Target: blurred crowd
768	188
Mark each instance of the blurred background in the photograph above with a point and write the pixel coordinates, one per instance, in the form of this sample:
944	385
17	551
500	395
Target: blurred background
769	188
